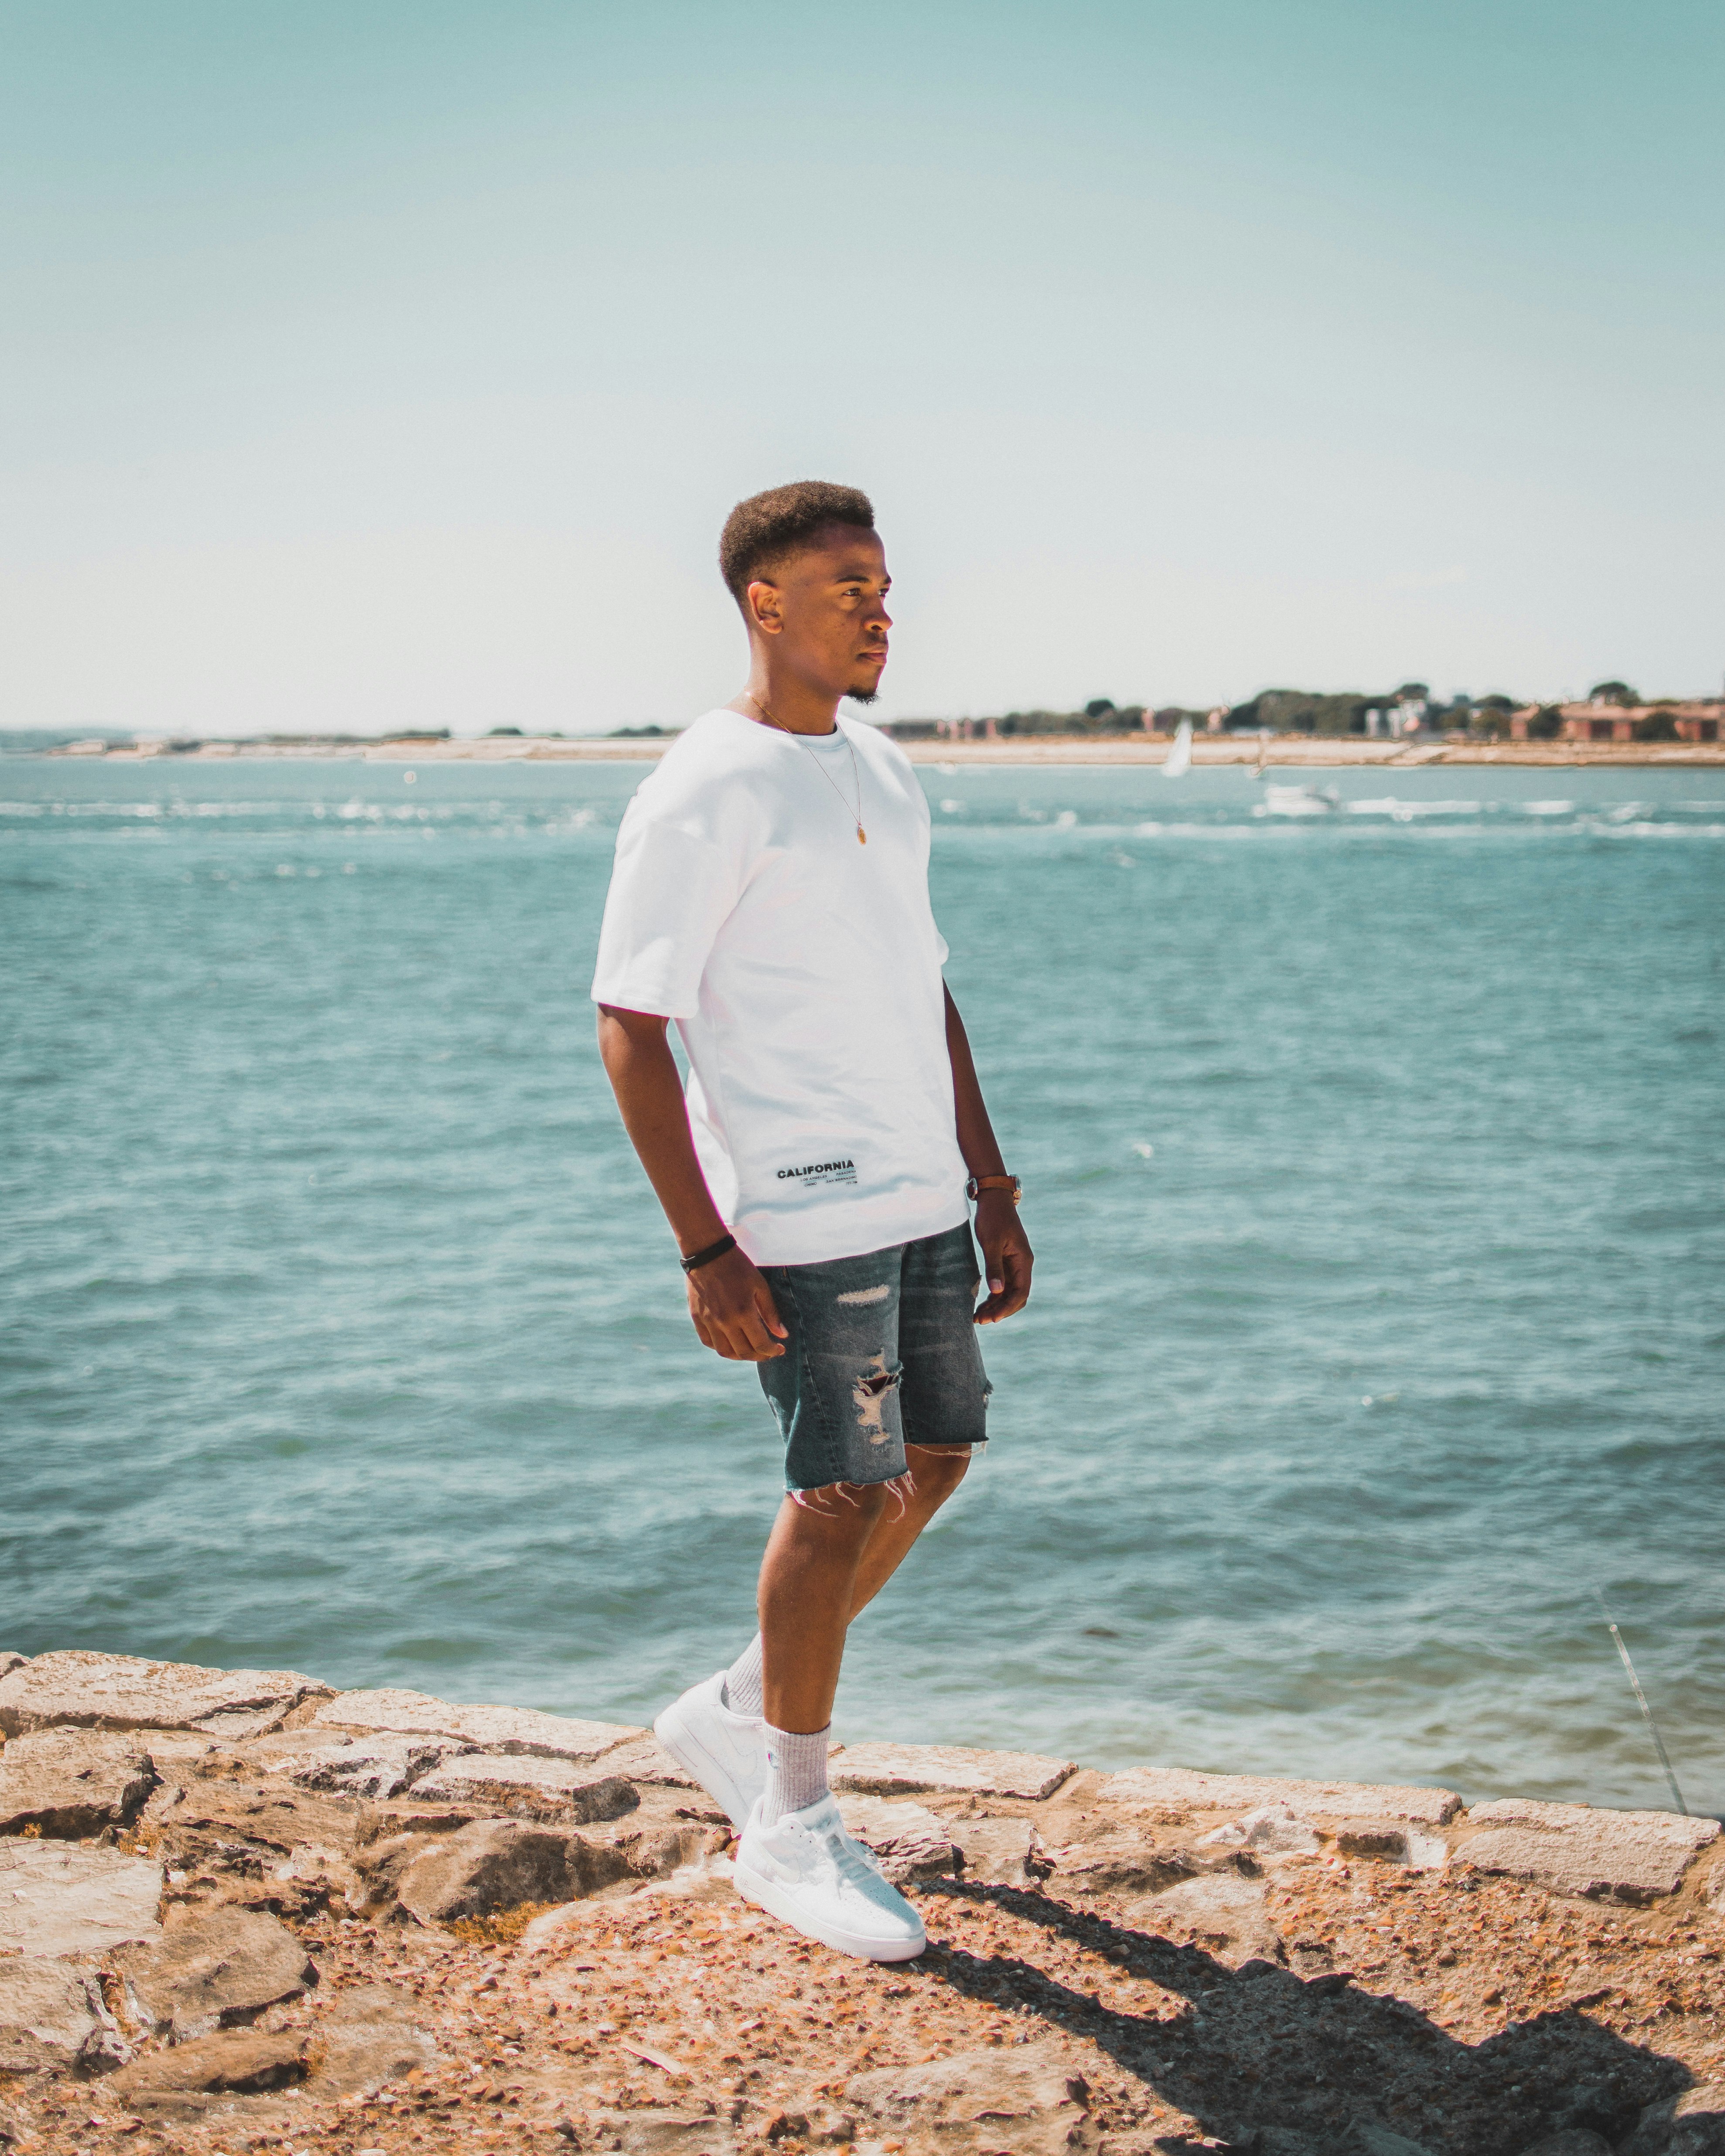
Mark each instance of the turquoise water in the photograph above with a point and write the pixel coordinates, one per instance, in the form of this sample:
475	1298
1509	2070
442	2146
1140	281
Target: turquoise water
1373	1159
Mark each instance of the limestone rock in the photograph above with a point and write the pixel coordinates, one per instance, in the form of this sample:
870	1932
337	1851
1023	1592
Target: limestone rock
1369	1837
1000	1852
708	1877
1572	1848
555	1792
645	1759
374	1768
1393	1843
81	1691
891	1770
1572	2141
1222	1912
1026	2098
909	1841
498	1864
1272	1830
9	1662
66	1782
403	1815
248	1827
1679	1828
52	2018
1182	1789
658	1851
59	1898
217	1969
1119	1864
507	1729
368	2038
382	1863
179	2082
1692	2124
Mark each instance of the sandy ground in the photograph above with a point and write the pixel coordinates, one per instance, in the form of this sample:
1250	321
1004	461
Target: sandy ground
1072	1997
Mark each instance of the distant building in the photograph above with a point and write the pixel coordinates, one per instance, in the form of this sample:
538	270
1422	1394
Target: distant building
1599	722
1605	723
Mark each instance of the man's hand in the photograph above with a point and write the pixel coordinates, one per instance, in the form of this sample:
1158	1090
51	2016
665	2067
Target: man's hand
732	1306
1006	1254
733	1311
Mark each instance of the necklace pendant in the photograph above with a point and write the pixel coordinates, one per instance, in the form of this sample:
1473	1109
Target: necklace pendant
862	836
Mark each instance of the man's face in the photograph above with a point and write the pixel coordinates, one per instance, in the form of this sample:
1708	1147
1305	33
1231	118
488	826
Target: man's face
826	609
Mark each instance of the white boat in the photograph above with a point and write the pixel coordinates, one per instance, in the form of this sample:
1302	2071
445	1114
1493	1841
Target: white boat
1178	760
1298	801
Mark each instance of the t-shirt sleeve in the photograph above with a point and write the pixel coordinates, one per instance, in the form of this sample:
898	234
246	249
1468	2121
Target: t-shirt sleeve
670	891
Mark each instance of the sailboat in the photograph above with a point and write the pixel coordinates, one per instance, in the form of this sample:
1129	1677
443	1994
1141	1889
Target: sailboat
1178	760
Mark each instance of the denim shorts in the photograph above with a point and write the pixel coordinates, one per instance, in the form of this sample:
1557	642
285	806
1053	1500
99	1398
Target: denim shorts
882	1353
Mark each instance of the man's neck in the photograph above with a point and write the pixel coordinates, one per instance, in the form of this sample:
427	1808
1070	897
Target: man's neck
790	706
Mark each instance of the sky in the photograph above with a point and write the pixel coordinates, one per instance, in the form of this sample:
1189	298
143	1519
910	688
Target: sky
394	365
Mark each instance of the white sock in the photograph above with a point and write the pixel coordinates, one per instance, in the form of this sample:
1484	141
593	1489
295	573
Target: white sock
796	1771
742	1691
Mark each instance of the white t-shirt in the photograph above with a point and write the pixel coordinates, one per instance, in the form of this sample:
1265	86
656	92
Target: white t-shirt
803	972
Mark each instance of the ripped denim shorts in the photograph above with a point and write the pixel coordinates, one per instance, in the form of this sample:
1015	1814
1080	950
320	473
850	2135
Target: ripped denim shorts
882	1353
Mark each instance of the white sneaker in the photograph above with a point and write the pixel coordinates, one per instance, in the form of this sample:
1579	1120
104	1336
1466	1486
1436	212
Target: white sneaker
806	1869
725	1752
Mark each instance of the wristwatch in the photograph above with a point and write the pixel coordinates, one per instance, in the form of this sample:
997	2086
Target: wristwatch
978	1183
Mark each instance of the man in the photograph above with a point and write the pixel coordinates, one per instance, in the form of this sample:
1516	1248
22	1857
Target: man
770	896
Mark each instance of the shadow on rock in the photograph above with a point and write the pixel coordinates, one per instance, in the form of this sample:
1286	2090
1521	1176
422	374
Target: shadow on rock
1275	2064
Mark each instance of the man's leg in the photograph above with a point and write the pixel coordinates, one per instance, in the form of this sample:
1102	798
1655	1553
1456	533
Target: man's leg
794	1856
935	1473
808	1587
827	1558
836	1543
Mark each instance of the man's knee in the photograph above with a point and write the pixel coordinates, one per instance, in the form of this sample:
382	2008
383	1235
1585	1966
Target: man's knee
936	1470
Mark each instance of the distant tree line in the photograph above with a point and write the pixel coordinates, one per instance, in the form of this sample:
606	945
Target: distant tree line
1310	711
1276	711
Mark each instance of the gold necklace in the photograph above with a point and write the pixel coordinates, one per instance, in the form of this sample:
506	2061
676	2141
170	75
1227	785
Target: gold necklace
862	836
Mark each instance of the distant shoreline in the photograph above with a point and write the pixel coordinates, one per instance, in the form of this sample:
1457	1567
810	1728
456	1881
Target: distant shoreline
1288	751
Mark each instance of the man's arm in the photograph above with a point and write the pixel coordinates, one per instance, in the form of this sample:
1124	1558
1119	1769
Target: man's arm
730	1303
1006	1248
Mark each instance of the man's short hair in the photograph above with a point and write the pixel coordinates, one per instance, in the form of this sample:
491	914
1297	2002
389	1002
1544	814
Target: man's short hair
762	530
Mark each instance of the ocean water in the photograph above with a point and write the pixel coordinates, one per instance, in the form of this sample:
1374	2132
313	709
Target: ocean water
1373	1155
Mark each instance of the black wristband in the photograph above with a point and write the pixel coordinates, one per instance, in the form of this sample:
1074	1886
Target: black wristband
705	1257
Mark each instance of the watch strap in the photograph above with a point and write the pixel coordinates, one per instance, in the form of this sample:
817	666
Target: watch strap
978	1183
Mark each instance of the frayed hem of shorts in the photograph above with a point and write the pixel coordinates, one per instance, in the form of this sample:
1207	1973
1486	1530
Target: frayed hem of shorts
900	1487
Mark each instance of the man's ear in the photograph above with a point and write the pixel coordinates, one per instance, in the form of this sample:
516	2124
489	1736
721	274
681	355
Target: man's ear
761	605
